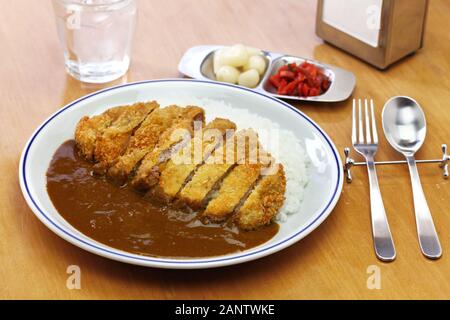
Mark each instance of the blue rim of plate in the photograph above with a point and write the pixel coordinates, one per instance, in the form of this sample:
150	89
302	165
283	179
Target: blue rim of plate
190	261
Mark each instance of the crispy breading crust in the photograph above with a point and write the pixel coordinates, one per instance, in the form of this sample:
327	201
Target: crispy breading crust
145	140
206	177
234	187
149	171
264	201
89	129
174	176
114	140
209	175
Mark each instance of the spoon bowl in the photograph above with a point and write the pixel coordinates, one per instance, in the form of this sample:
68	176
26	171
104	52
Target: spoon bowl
404	124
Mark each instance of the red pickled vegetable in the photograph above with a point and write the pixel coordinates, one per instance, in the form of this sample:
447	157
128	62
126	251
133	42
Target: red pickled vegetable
304	79
287	74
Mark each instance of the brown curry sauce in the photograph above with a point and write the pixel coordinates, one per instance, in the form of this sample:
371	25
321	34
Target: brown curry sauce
122	218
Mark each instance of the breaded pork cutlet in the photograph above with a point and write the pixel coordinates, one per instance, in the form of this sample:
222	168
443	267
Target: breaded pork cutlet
237	185
175	175
114	140
229	179
264	201
208	177
89	129
148	173
145	140
233	189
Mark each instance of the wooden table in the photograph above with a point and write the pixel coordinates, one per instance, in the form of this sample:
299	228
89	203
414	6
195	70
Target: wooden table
332	262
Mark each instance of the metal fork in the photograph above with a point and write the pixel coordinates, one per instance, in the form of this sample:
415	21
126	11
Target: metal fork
367	147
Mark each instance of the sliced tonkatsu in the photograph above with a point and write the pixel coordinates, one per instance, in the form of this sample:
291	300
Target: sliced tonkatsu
238	184
145	140
114	140
209	176
180	168
233	188
264	201
89	129
220	174
148	173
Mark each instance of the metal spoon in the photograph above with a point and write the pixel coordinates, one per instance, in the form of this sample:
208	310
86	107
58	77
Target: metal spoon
405	128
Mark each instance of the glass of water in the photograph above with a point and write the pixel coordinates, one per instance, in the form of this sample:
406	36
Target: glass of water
96	36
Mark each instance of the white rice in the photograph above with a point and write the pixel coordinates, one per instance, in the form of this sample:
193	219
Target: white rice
290	152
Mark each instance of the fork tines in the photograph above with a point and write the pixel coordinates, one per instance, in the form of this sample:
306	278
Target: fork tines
370	125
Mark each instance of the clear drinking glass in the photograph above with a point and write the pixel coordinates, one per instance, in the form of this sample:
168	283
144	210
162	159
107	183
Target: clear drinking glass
96	36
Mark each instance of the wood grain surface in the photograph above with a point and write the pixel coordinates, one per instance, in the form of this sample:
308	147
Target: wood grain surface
330	263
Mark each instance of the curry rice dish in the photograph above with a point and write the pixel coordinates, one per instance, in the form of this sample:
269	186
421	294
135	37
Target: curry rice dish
133	145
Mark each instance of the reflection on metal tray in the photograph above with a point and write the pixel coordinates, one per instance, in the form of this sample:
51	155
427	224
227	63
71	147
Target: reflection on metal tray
197	63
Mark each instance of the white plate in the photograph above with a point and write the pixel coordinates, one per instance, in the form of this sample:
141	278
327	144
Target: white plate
321	194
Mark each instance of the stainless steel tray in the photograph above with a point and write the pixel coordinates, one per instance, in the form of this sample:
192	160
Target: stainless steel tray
197	63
